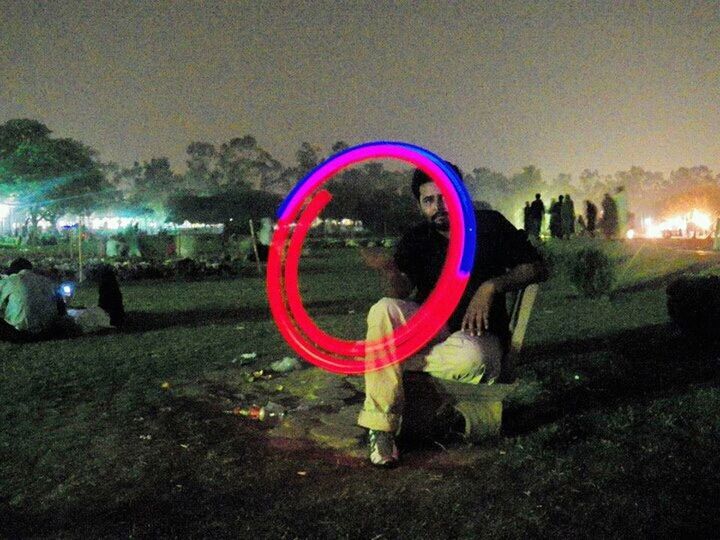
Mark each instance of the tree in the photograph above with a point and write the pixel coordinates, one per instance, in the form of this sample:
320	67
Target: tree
338	146
237	207
561	184
494	189
202	176
529	180
488	186
124	180
646	189
22	130
686	178
155	184
245	165
307	157
702	193
157	176
381	199
523	186
48	176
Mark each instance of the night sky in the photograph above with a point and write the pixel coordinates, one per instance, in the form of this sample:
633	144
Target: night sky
562	85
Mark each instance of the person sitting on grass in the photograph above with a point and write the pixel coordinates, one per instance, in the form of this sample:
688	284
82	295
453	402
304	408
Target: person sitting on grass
110	298
110	311
470	347
30	304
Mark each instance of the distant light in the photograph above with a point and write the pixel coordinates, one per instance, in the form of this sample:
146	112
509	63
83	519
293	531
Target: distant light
4	210
701	219
630	234
67	289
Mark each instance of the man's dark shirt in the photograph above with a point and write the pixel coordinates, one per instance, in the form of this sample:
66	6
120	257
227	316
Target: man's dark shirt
500	246
591	211
537	209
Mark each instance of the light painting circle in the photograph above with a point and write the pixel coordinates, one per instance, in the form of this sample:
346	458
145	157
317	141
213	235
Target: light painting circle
295	216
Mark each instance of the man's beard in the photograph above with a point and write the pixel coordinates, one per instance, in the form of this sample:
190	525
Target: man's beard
441	221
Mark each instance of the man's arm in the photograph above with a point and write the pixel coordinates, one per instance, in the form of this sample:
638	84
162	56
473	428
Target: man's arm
395	283
477	316
521	276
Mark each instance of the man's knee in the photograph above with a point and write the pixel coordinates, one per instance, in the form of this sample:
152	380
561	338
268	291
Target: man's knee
386	303
389	306
475	356
469	355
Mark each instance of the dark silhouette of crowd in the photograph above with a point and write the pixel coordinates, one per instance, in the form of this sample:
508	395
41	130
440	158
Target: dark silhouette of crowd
564	223
534	214
562	217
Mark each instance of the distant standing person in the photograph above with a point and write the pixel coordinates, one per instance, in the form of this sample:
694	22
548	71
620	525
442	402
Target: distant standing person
716	235
590	217
132	236
110	299
609	222
264	237
113	247
526	217
170	247
623	213
537	212
556	218
100	245
581	226
567	217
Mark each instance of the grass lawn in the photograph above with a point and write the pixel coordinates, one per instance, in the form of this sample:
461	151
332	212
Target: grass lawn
613	432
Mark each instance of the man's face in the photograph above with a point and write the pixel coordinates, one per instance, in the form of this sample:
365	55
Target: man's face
432	205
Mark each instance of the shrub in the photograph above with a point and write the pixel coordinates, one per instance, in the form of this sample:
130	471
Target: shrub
592	272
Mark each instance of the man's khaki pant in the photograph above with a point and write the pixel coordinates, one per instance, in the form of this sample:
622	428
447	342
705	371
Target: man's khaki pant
458	356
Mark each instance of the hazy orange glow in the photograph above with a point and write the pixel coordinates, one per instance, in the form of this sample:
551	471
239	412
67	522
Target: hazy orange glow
701	220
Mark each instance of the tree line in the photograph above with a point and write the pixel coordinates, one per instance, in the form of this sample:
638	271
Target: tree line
238	180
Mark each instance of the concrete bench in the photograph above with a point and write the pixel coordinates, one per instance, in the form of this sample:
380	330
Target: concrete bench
481	405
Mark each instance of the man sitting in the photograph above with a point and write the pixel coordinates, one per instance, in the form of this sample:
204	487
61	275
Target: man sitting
110	298
471	345
30	305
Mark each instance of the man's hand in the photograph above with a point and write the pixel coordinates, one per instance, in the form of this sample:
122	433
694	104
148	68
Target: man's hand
376	258
477	316
395	283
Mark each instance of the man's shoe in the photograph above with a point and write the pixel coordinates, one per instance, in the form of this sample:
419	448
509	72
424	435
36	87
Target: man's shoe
383	451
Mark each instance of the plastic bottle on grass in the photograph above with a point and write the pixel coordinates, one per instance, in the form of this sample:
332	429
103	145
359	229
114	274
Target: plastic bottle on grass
272	412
